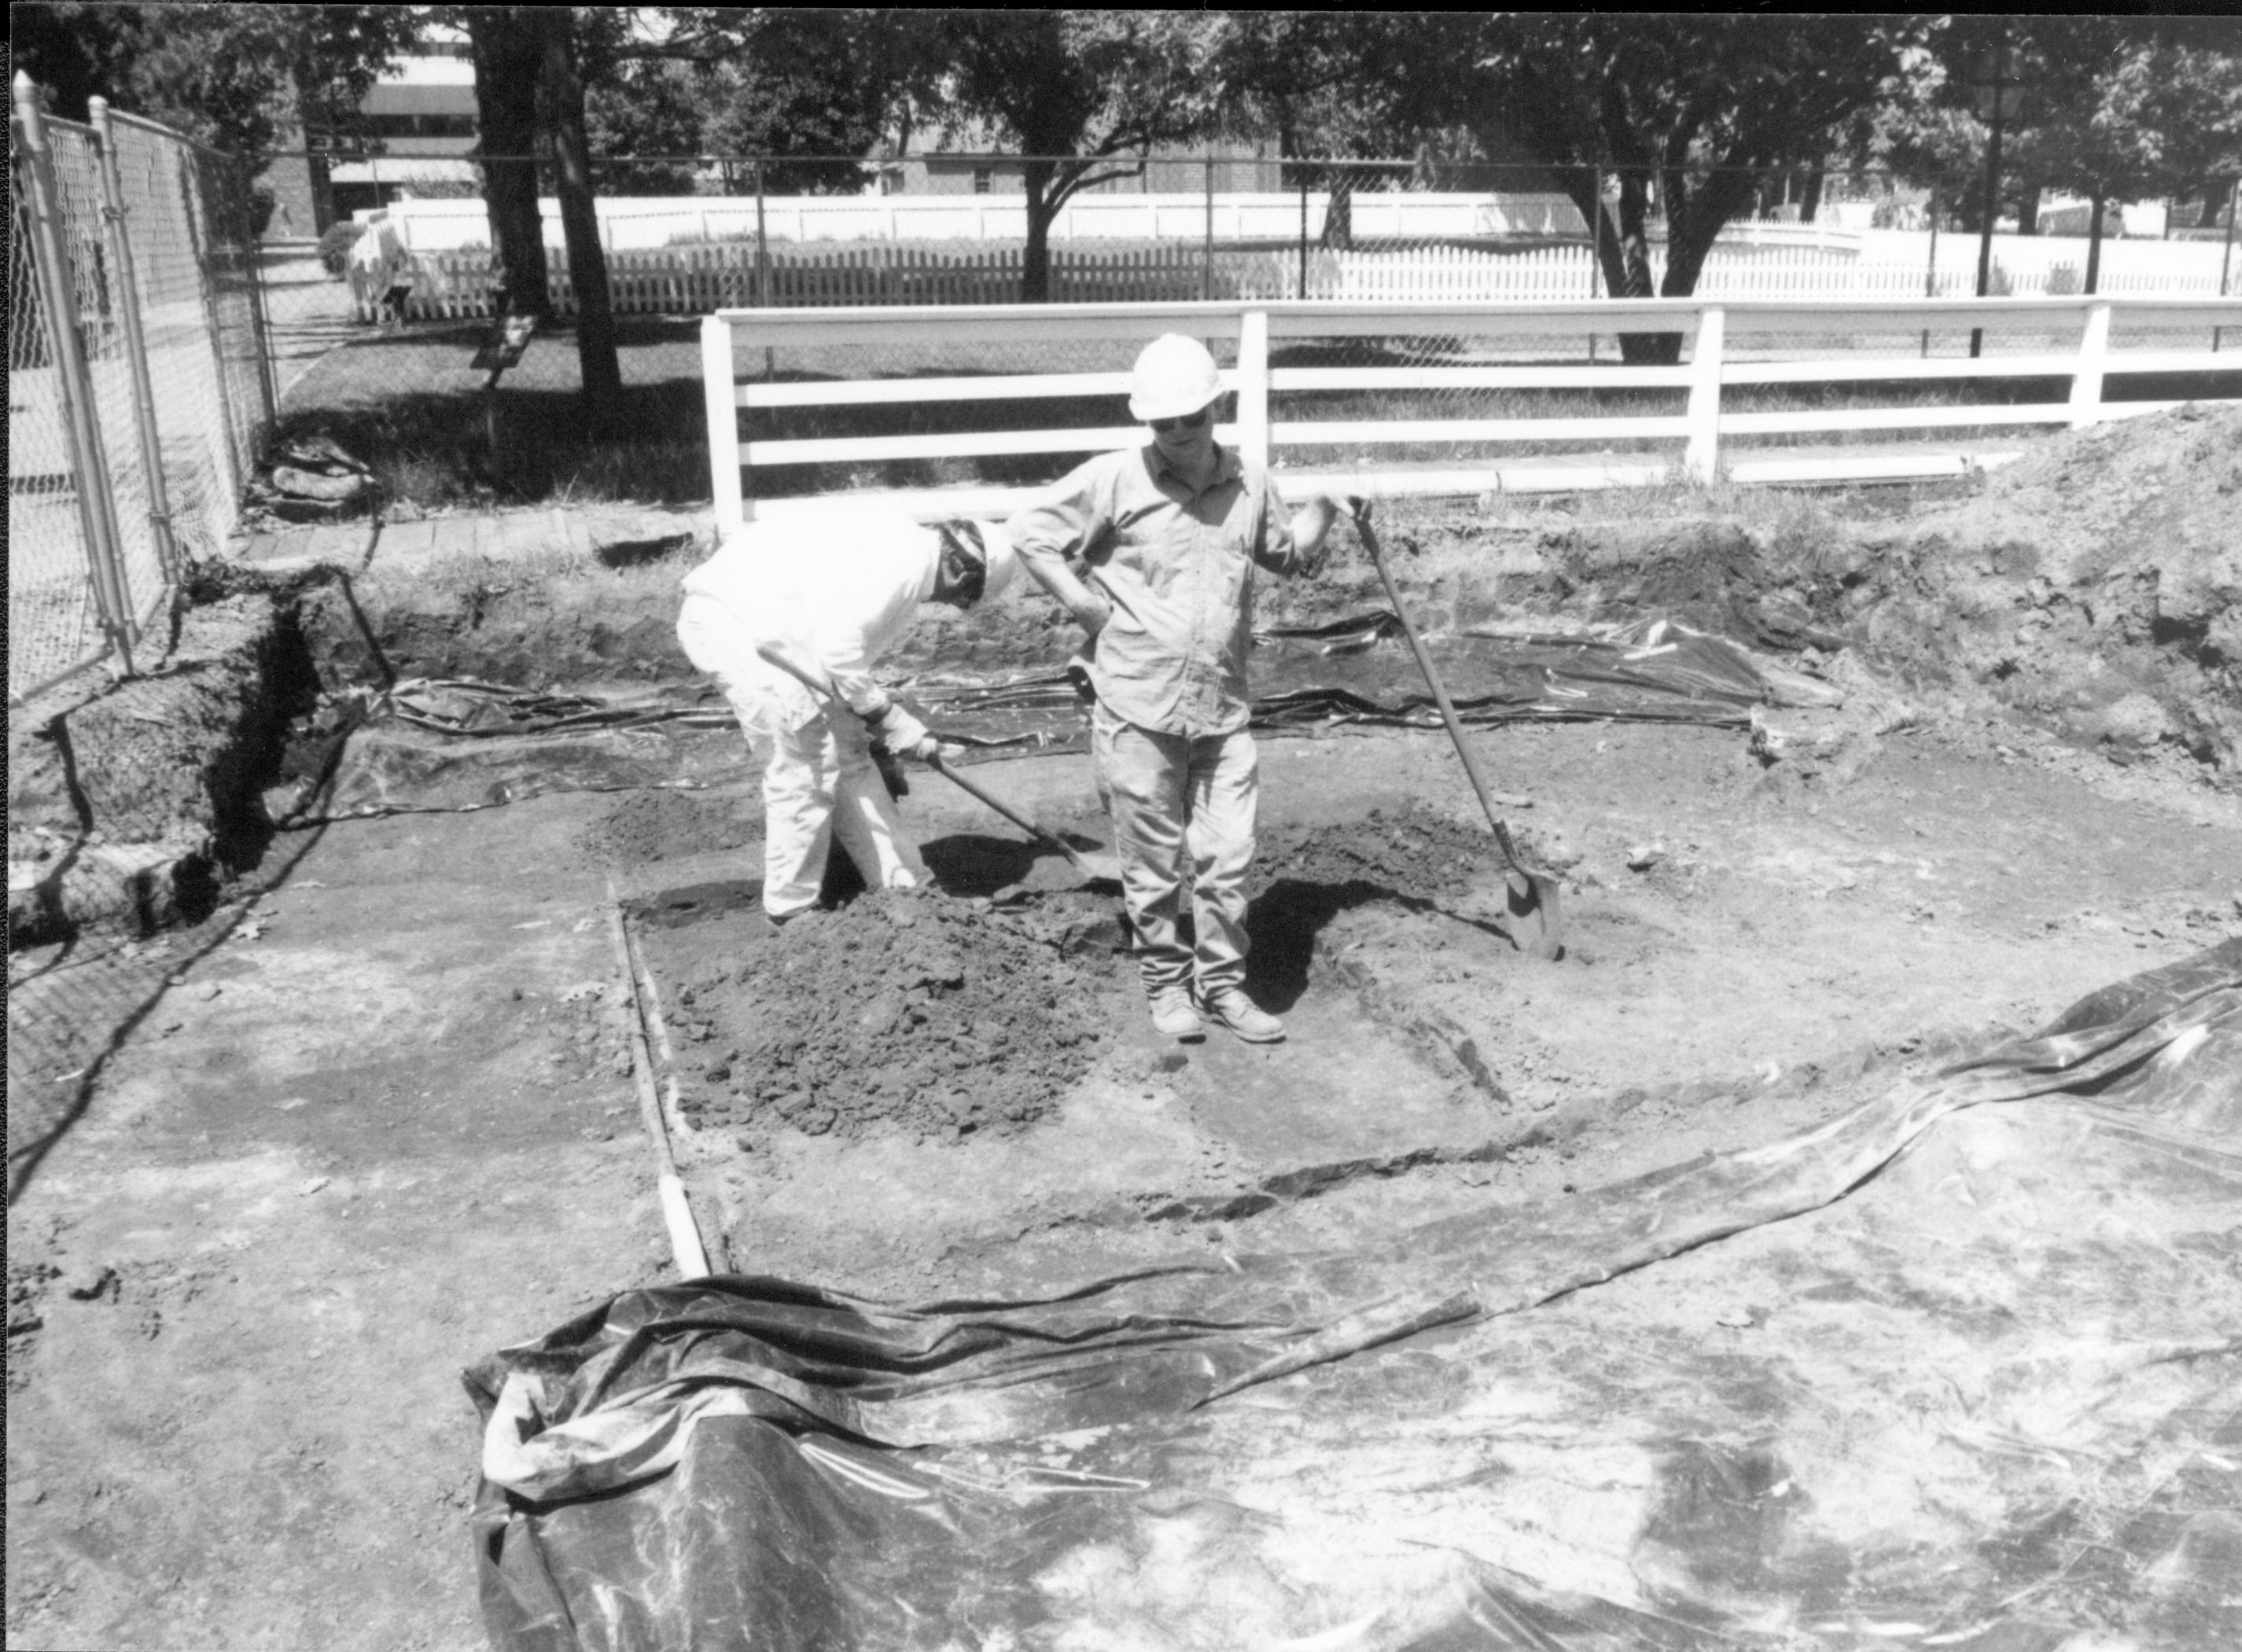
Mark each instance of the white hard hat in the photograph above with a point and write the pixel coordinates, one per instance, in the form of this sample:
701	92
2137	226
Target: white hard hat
1174	376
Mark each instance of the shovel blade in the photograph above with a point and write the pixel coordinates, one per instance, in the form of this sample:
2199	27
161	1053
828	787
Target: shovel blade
1098	865
1537	919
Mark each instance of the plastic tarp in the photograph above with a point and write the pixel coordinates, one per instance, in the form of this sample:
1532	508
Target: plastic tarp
1961	1367
453	744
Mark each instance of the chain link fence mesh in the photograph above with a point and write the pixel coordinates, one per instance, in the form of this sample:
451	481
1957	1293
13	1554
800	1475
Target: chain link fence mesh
53	623
188	215
100	300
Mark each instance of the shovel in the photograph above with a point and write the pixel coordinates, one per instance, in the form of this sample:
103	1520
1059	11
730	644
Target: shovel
1097	866
1536	912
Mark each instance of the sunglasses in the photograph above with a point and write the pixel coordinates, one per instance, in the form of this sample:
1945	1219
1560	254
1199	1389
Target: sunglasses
1190	421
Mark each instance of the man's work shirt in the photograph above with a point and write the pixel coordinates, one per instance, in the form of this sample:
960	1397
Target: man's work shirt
1178	566
842	588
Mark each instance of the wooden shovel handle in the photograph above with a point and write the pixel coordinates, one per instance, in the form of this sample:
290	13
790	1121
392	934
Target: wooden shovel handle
1440	694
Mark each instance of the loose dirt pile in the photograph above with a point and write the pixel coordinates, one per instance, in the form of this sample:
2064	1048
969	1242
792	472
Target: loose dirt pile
2096	584
662	825
1414	852
898	1013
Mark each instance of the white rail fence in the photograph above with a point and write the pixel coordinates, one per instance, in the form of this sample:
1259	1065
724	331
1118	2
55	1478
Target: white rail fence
1750	347
697	281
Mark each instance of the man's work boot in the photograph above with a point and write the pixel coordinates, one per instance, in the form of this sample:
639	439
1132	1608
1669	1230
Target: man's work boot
1172	1015
1230	1007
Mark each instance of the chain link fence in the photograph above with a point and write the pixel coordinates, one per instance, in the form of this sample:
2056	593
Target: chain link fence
139	388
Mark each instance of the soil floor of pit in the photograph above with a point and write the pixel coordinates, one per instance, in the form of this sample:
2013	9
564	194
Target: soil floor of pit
390	1125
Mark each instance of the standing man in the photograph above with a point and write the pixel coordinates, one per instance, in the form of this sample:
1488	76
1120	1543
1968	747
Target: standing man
1169	536
840	591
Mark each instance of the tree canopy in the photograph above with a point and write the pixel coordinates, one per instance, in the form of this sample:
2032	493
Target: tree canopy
1085	95
238	76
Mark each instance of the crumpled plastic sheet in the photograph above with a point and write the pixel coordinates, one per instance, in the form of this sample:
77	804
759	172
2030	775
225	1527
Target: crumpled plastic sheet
462	744
1974	1380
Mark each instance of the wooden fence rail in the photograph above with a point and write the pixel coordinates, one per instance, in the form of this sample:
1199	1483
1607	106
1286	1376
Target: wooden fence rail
1463	347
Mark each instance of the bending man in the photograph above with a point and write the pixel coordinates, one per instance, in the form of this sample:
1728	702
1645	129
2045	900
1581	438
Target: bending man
841	591
1169	536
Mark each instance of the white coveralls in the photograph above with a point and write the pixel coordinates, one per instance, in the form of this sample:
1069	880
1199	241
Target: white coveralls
379	266
842	591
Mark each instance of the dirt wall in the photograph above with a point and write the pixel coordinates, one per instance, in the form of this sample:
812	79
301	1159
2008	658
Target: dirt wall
136	803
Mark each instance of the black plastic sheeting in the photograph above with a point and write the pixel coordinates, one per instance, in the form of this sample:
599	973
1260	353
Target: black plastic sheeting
1938	1373
460	744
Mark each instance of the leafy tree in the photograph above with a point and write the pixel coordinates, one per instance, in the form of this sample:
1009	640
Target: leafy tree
1689	110
649	109
236	77
1077	93
792	85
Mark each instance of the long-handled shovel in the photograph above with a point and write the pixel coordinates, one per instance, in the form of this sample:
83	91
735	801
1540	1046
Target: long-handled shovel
1536	910
1096	865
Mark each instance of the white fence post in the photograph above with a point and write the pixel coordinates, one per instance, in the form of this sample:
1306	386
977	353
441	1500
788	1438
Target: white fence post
1701	461
1253	387
2086	383
718	387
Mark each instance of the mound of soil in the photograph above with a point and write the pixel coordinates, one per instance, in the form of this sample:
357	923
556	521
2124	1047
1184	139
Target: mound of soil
2096	584
898	1013
661	825
1415	852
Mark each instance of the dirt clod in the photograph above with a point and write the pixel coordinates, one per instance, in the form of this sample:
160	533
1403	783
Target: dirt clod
898	1013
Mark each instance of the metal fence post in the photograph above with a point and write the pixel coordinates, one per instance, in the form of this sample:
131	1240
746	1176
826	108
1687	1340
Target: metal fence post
762	248
97	509
1931	272
268	372
2226	258
1206	267
136	343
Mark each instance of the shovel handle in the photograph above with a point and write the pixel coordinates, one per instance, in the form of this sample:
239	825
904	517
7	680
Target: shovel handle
778	655
1440	694
1017	819
809	676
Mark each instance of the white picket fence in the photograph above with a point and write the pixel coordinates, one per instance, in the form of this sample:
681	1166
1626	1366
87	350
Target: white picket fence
699	280
1761	343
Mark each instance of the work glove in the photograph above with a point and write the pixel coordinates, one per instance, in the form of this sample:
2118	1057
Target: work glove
1358	506
900	733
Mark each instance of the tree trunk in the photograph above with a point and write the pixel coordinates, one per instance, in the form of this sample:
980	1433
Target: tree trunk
2094	241
2216	193
1625	254
1810	202
507	56
1035	261
579	221
1338	213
